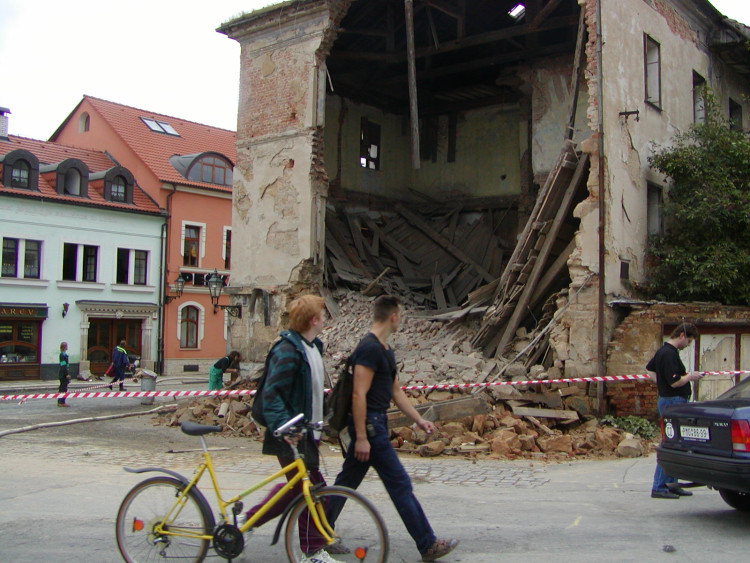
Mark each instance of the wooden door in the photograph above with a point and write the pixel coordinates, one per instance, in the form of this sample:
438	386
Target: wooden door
105	334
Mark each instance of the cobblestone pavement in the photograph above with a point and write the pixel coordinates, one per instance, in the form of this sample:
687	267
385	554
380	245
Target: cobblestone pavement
444	470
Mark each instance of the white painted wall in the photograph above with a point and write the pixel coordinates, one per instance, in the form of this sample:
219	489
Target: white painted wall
55	224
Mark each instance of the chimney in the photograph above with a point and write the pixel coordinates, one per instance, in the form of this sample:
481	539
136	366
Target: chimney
4	123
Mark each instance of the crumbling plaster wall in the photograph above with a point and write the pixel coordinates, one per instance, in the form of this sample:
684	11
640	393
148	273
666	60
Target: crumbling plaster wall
280	184
628	142
489	144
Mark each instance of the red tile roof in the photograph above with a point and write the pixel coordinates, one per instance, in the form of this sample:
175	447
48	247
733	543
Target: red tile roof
155	148
96	161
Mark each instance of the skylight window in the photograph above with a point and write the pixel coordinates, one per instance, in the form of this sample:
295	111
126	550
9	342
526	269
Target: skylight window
159	126
517	12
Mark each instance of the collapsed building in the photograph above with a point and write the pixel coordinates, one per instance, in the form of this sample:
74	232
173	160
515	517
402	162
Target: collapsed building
485	159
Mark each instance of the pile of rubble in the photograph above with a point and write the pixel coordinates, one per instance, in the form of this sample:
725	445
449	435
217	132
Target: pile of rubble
508	421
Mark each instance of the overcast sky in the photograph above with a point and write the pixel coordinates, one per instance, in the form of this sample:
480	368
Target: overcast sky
158	55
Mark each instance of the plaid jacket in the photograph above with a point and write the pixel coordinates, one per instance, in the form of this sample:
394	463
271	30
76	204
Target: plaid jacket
288	392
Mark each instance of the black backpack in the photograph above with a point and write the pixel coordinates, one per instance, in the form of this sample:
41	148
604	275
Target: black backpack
256	411
338	403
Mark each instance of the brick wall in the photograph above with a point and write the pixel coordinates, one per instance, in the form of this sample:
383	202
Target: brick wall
640	335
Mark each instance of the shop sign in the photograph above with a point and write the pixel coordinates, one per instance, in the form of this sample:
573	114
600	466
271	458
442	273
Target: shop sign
23	312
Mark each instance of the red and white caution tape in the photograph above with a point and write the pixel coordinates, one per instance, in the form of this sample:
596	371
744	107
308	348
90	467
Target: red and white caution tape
240	392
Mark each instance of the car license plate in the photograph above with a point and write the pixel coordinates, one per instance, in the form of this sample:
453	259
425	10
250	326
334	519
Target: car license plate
694	432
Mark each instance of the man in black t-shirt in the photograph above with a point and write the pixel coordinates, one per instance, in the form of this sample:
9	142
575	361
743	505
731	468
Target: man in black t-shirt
375	385
673	384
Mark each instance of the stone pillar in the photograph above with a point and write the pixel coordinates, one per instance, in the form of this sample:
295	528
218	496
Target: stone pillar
280	185
84	365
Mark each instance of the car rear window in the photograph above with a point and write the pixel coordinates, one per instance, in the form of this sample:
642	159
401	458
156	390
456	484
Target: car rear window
739	391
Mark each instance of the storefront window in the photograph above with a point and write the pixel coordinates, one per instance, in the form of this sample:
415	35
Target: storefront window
19	342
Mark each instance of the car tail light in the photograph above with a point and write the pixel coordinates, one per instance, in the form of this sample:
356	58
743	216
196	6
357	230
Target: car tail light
740	436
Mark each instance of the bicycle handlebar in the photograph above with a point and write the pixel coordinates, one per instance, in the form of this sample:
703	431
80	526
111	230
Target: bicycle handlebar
290	426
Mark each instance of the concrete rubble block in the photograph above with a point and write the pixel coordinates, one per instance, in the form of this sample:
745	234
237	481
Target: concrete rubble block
405	433
516	424
439	395
451	429
606	438
504	442
516	372
537	373
463	362
504	392
629	446
478	423
431	449
528	443
582	405
562	443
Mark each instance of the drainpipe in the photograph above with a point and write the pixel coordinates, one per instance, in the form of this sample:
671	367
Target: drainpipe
601	344
163	272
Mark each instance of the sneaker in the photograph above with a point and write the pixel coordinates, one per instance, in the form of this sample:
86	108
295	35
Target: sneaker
438	549
320	557
338	548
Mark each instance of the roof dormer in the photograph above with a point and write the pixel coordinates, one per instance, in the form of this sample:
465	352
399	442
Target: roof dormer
71	177
118	184
20	170
206	167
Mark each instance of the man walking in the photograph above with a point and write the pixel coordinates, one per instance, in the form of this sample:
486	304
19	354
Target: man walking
375	384
673	384
120	363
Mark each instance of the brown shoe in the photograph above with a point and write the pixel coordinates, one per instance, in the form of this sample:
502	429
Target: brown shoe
63	405
438	549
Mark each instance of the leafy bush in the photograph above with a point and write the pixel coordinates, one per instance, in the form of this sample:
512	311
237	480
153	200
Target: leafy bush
704	251
633	424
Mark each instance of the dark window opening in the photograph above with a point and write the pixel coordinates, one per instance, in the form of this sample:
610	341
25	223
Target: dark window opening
735	115
140	271
191	247
119	189
369	145
228	250
20	175
70	262
699	98
189	327
652	56
89	263
10	258
123	265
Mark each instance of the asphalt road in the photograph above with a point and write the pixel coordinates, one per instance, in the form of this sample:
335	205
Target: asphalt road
61	488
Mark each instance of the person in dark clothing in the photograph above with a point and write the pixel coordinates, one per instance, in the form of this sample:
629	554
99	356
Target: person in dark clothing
216	373
120	363
63	373
295	384
375	385
673	385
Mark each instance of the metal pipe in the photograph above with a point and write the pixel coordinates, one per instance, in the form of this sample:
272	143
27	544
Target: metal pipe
601	344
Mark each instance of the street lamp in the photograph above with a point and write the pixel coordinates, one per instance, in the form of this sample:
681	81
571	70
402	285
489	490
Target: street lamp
215	284
179	286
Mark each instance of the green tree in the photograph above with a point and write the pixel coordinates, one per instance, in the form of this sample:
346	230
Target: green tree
704	252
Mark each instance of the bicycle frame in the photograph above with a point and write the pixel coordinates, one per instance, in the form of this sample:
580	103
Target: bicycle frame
297	466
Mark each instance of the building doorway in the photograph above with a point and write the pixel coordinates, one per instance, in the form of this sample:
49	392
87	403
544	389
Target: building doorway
105	334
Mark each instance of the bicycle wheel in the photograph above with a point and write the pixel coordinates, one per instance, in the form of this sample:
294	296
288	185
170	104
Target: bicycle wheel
359	528
145	506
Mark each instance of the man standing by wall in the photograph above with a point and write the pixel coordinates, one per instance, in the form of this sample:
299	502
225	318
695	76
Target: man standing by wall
673	384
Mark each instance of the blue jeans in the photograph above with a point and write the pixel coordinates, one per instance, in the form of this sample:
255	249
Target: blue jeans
395	479
660	478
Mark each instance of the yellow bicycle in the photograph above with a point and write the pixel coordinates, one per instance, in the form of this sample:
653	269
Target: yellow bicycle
167	517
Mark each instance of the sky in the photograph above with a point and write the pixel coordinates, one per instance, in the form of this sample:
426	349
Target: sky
163	56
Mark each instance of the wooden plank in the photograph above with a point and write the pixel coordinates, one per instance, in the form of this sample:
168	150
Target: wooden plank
336	229
437	290
440	239
545	413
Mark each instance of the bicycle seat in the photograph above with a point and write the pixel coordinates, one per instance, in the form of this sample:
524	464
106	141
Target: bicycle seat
195	429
